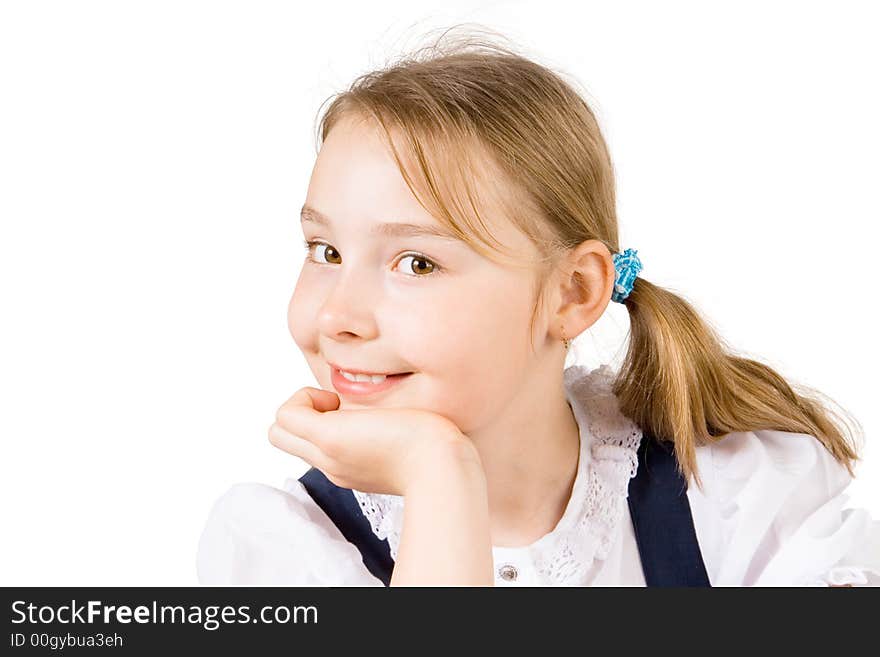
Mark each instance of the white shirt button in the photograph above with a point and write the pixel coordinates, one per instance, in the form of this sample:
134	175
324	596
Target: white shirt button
507	572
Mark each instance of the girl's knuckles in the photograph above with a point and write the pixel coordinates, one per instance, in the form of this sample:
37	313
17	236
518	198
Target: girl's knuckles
282	440
285	415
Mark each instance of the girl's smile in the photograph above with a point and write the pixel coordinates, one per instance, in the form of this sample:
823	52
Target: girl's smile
376	384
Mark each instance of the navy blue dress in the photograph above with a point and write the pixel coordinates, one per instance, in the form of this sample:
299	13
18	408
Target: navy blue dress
661	517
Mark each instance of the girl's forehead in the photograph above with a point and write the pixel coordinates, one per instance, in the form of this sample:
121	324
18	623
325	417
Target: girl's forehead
357	182
383	229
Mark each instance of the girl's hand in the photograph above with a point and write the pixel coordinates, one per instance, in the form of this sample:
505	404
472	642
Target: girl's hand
371	450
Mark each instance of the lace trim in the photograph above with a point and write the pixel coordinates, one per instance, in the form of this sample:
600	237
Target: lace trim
385	513
615	441
615	460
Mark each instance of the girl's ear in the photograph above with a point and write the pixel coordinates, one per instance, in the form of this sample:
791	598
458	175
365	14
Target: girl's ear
587	286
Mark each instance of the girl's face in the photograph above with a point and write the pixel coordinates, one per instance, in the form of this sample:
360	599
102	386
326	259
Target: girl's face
377	297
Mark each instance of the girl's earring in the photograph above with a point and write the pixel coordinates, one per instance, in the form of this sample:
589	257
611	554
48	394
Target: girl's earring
565	341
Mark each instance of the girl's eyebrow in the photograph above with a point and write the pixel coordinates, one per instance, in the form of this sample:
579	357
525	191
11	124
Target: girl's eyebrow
391	229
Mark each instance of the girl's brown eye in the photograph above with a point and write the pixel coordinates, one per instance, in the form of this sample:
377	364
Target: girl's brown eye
329	252
419	266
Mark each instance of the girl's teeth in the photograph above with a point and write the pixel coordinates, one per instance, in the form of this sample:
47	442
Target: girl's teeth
368	378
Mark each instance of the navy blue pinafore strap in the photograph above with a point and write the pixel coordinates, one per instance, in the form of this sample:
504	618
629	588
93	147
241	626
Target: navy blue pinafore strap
661	518
343	509
658	504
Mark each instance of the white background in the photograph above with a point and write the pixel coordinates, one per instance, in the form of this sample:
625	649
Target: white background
154	157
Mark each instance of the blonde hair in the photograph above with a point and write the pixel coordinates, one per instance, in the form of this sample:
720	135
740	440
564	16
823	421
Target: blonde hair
476	117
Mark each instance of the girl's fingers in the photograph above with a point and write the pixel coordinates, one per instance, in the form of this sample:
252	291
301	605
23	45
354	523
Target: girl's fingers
301	416
296	446
322	400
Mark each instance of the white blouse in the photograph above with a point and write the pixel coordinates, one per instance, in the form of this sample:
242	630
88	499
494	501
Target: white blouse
770	514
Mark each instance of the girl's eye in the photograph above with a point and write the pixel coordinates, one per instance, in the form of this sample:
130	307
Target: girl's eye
329	252
420	265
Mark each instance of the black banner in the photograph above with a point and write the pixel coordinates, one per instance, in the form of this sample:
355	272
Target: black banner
146	620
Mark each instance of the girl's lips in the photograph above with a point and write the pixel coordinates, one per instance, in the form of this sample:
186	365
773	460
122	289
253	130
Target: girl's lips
363	388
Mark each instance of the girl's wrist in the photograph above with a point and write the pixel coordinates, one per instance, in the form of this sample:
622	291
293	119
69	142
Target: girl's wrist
445	538
450	458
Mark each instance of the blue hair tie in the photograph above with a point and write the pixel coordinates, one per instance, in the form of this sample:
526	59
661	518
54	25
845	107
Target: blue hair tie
627	265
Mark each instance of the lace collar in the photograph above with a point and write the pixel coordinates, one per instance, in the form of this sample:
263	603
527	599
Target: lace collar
608	460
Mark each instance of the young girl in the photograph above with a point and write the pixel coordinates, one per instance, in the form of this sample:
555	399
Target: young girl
460	230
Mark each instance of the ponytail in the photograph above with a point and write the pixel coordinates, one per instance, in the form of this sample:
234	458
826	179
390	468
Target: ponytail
681	382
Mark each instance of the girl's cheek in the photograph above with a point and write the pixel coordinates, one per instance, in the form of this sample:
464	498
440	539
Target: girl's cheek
301	328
